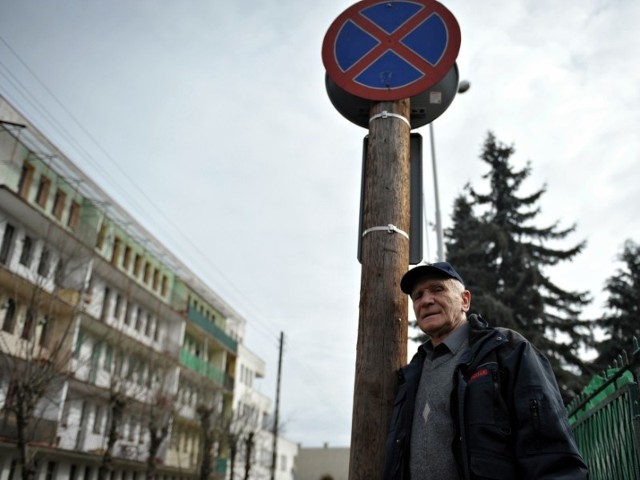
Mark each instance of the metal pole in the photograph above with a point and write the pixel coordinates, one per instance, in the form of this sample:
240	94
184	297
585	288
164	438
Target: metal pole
440	250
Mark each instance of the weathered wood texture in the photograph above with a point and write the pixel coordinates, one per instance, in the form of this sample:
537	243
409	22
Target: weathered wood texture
382	329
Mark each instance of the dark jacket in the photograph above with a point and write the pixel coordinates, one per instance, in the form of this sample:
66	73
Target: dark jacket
509	417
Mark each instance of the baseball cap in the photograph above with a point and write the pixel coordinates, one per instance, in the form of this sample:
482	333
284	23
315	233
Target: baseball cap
437	270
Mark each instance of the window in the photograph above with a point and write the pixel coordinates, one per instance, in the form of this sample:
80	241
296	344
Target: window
79	342
149	325
147	271
44	332
126	260
117	245
163	288
105	304
138	326
156	331
102	234
58	204
118	307
51	471
29	325
43	266
42	194
27	251
137	263
12	469
73	472
74	215
9	316
26	178
127	313
7	243
97	420
156	278
58	272
131	367
132	428
108	357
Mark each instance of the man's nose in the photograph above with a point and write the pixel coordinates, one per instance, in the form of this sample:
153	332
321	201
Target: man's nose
425	299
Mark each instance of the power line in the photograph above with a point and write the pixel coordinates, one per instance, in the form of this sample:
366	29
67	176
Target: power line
61	130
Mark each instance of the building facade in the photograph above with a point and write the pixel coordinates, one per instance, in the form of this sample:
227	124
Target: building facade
116	361
322	463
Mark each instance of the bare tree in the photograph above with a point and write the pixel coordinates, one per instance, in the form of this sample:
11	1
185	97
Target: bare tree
41	309
209	417
241	437
160	410
126	394
213	415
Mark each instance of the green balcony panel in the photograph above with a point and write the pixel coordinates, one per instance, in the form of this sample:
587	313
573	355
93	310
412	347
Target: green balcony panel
211	328
203	368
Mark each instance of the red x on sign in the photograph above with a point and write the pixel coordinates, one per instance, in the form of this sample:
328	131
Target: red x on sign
389	50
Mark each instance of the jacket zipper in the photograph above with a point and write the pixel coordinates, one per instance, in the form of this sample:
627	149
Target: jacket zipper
534	408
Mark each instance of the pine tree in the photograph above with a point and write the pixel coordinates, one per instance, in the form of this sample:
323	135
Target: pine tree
623	304
502	255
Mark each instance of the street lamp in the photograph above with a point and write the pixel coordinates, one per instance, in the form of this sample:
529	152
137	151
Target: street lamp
463	86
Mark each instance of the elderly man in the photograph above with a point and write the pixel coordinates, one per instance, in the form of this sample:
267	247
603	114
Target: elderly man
476	402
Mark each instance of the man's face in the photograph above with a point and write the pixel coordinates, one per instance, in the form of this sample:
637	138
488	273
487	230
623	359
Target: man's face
439	305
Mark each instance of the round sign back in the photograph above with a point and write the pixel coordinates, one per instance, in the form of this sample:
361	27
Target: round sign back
390	50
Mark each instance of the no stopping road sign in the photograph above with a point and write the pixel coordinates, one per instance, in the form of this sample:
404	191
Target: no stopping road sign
390	50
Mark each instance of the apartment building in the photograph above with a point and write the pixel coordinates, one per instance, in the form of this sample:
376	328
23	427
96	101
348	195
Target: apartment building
115	359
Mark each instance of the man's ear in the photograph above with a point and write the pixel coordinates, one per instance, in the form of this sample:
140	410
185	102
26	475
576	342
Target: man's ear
466	300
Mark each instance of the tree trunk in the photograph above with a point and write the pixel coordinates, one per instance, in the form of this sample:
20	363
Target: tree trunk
233	450
207	443
117	404
247	460
27	465
156	437
23	410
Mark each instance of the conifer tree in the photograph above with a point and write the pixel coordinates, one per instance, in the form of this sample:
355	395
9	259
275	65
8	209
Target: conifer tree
502	255
620	324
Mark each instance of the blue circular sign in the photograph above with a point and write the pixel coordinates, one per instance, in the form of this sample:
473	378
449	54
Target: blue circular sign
389	50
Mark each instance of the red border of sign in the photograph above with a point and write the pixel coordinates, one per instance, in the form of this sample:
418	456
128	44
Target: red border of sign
434	74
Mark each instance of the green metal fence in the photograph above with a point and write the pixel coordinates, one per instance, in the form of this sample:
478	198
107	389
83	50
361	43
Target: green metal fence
605	420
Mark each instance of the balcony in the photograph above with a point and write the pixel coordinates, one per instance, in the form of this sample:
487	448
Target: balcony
215	331
206	369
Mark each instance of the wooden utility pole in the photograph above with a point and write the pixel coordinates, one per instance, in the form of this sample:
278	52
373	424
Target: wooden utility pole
274	452
382	329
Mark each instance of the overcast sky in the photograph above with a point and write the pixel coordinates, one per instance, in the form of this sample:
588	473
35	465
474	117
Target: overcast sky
209	122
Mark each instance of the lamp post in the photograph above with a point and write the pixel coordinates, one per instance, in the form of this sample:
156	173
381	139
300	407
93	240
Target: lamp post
463	86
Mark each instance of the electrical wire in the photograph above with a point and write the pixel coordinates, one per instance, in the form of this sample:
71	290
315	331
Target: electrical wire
265	329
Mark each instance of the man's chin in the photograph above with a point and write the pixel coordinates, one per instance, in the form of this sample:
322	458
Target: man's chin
428	326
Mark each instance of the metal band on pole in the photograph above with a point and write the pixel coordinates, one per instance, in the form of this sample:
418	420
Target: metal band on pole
385	114
389	229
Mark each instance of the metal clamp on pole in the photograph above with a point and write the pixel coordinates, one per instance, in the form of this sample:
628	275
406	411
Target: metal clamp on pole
385	114
389	229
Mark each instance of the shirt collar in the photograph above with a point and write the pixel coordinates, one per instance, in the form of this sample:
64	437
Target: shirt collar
454	341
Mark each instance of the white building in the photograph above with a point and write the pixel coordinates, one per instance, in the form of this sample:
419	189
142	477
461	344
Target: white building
126	353
254	422
322	463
